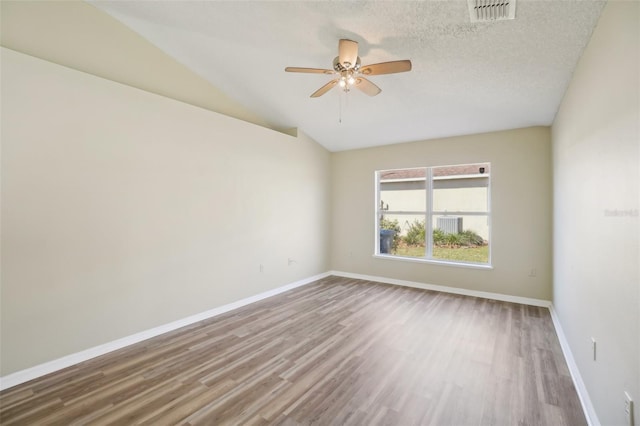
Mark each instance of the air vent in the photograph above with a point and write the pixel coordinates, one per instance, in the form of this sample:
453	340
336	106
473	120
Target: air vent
491	10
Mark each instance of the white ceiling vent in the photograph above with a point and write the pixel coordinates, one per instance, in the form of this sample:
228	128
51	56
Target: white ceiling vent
491	10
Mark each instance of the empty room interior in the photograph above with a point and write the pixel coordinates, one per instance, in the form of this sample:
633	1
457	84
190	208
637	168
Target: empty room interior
398	212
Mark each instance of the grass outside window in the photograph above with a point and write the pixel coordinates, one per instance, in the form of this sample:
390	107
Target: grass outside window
460	254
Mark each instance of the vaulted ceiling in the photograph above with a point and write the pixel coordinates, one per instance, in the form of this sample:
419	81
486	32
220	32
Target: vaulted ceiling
466	77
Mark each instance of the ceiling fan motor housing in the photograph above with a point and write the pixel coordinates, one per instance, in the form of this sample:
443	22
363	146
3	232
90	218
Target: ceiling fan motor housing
339	67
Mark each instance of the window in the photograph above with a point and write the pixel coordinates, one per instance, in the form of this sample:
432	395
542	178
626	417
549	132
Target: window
439	214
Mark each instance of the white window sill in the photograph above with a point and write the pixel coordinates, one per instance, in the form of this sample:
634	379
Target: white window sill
434	262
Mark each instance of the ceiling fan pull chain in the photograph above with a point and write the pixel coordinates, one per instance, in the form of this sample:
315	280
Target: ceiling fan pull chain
346	102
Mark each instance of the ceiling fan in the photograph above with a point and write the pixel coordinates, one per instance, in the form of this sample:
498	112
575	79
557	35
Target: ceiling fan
349	72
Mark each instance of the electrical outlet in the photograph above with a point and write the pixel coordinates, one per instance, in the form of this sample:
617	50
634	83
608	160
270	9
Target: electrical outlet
533	272
593	347
628	409
261	268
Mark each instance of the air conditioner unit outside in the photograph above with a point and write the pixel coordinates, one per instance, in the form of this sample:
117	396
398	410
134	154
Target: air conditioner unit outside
450	224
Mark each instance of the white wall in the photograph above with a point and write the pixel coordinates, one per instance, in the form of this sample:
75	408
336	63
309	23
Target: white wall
596	166
123	210
520	201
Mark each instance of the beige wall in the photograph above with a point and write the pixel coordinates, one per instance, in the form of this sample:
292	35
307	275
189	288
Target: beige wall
123	210
521	203
596	166
79	36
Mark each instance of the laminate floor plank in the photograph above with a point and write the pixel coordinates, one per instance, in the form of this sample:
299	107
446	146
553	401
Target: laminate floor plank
338	351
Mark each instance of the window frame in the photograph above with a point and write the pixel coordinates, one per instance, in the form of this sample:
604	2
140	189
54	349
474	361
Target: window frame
429	214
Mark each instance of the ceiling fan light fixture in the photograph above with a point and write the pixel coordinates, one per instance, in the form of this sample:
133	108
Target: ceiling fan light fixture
348	70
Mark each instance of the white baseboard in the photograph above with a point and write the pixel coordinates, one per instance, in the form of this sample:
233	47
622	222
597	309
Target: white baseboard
40	370
581	389
445	289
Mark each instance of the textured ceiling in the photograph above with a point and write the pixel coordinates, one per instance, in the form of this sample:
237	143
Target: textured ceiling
466	78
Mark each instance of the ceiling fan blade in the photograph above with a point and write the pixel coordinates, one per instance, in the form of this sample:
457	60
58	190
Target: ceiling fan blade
348	52
309	70
386	67
367	87
324	89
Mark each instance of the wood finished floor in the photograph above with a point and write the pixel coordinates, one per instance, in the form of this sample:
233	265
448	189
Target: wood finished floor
339	351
